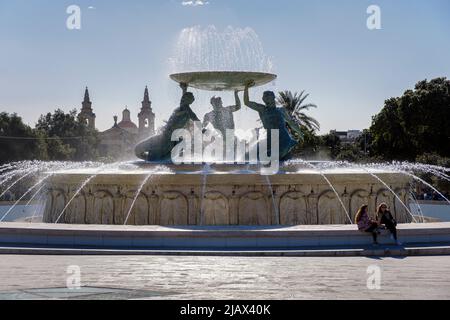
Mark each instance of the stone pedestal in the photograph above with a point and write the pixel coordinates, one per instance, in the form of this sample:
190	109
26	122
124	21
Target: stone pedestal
181	197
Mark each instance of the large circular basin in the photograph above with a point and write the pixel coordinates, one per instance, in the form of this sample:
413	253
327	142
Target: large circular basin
223	80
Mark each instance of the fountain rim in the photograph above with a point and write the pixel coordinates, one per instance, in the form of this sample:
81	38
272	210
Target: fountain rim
241	174
236	79
218	168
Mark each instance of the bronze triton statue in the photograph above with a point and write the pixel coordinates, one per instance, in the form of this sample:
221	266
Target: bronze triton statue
159	147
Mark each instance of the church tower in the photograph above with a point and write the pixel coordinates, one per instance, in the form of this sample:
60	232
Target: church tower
87	115
146	118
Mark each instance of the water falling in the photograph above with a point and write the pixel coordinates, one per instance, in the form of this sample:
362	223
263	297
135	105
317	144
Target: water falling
23	196
84	184
138	192
393	192
403	167
28	172
206	170
275	207
29	179
419	208
209	49
55	168
427	184
41	197
330	184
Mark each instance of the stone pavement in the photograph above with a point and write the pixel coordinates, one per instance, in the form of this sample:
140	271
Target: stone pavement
163	277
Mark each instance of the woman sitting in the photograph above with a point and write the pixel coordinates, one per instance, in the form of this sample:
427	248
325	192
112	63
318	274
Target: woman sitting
385	218
366	224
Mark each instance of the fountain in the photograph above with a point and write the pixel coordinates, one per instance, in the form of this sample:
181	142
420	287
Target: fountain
148	206
199	192
180	196
223	194
213	192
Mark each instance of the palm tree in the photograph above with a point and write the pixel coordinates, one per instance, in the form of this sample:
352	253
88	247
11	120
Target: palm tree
295	107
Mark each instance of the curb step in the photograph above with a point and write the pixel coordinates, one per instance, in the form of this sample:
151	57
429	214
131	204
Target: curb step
342	252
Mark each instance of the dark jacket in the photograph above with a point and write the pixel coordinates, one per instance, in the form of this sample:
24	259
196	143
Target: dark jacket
388	220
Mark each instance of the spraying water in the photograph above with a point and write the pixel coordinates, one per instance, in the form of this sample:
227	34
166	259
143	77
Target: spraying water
209	49
138	192
331	186
23	196
272	195
206	170
39	201
84	184
393	192
36	174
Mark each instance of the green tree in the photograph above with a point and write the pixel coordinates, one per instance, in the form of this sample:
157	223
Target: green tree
350	152
294	104
18	141
67	137
364	142
435	159
308	147
333	143
415	123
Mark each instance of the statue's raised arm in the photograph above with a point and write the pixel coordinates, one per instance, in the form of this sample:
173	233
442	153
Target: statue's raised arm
184	87
252	105
192	114
237	105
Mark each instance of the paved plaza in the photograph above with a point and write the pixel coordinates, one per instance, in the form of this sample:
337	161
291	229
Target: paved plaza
177	277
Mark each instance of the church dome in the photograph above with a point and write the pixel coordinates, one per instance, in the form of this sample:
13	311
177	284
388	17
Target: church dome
126	122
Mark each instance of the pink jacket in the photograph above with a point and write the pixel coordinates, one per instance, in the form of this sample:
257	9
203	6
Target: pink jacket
364	222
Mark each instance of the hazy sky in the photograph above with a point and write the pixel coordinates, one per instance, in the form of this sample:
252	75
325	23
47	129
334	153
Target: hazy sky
323	47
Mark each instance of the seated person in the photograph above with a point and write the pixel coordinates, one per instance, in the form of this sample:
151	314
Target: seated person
385	218
366	224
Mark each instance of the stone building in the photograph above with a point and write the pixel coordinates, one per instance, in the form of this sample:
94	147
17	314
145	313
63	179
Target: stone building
87	113
146	118
118	142
347	136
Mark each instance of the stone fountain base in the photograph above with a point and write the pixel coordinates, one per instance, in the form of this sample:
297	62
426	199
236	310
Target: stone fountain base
182	196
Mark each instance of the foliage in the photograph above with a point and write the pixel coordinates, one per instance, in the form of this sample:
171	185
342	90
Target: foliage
435	159
293	102
17	140
350	152
333	143
309	147
57	136
415	123
68	138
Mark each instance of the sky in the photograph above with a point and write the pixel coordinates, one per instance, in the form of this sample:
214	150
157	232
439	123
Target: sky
323	47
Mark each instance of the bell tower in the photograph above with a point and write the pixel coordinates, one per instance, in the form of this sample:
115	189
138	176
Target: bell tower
146	118
87	115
